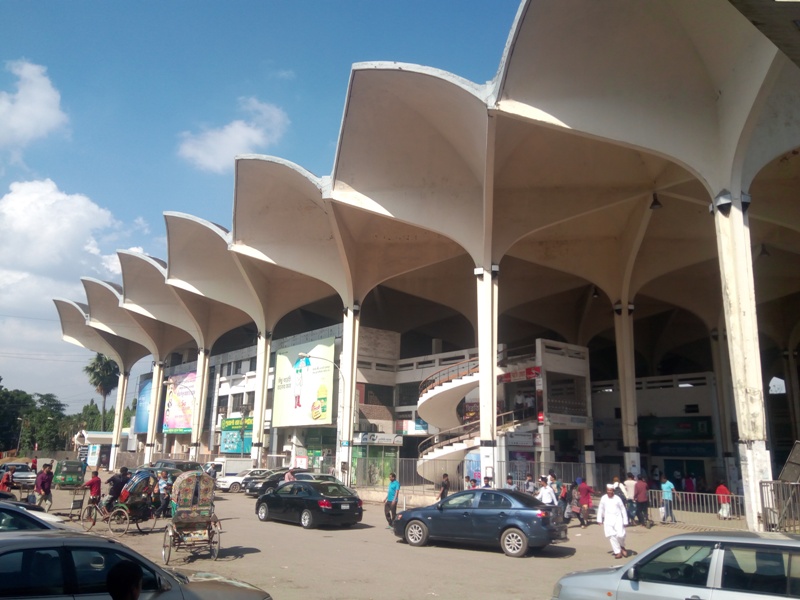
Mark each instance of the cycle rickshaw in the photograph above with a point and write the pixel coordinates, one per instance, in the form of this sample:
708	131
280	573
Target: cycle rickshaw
136	504
194	526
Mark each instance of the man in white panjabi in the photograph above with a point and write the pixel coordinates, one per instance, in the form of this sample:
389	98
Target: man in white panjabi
614	517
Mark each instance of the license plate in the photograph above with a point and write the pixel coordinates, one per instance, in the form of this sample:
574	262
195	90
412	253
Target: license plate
345	507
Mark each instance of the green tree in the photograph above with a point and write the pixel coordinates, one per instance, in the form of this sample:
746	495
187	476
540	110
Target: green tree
103	376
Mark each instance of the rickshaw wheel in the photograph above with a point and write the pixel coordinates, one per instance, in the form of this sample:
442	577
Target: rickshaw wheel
166	546
214	542
89	517
154	521
118	522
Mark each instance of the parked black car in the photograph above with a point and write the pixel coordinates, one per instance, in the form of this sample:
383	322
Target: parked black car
311	503
515	521
258	487
252	483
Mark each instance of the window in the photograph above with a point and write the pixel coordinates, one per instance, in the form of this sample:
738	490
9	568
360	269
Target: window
92	566
253	364
459	502
238	367
685	564
33	572
237	402
11	520
493	500
761	570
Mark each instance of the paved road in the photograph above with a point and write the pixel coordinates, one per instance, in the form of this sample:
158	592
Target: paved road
368	561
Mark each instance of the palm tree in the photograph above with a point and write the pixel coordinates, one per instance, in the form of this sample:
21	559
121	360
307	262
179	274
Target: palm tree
103	376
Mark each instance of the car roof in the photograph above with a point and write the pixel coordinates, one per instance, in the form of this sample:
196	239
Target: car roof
36	538
757	537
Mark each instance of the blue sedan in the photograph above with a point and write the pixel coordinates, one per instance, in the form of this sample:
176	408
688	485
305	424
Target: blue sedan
516	521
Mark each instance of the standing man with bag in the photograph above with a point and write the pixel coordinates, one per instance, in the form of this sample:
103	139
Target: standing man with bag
42	487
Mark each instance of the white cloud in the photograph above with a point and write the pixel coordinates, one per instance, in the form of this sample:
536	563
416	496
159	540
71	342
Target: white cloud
284	74
111	262
33	111
213	149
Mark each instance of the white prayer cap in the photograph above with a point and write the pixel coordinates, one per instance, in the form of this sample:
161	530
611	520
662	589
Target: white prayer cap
609	486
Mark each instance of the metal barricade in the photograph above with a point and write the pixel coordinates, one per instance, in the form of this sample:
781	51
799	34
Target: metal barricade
780	506
709	511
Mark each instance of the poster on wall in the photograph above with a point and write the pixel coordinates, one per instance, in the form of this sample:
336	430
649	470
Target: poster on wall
93	456
236	437
304	385
179	403
143	403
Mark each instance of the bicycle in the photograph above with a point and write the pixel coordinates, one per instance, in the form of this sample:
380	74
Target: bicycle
119	518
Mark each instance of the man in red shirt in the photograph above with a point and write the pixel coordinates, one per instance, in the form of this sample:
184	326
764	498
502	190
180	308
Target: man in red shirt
95	488
7	481
640	496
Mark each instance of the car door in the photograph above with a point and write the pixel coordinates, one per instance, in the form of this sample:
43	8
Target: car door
279	501
453	519
678	570
757	572
33	573
92	565
297	500
488	516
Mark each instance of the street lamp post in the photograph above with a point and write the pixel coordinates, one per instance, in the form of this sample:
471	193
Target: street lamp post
21	427
345	440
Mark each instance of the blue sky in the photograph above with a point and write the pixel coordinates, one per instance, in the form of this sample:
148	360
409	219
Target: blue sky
113	112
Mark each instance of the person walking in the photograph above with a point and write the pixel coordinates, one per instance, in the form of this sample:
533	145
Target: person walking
42	487
546	493
667	488
35	464
7	481
614	517
445	487
630	493
529	485
510	485
640	496
586	501
724	499
390	504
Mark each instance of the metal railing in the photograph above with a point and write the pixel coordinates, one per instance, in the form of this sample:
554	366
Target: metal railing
445	437
780	502
708	511
450	373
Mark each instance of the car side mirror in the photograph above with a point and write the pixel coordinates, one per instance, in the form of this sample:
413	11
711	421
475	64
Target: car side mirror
439	506
269	491
632	574
164	585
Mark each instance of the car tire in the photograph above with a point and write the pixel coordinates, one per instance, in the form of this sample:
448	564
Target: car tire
235	487
307	520
514	543
416	533
263	512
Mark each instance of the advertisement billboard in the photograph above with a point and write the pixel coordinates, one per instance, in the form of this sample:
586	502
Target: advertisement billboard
179	403
236	436
304	385
143	403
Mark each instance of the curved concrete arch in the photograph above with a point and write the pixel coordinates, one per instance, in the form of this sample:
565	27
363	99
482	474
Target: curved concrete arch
413	146
73	317
145	291
201	264
675	83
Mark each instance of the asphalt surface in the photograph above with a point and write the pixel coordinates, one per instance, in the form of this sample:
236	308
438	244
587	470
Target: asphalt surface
368	562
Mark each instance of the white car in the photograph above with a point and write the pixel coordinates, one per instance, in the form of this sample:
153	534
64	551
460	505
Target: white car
233	483
16	516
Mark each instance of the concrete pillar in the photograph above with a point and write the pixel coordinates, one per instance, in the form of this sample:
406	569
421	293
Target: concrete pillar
263	347
626	366
487	358
347	367
792	390
212	426
200	395
589	456
155	407
720	410
738	297
119	411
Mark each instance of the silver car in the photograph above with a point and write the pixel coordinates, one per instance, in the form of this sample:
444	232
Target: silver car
60	564
702	566
24	475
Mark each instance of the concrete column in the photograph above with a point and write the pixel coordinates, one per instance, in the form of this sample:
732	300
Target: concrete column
793	384
738	297
263	347
155	407
213	425
720	412
626	366
119	411
200	395
347	367
589	456
487	358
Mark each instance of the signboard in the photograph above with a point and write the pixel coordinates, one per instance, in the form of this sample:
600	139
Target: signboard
143	403
235	438
378	439
304	385
406	426
684	450
179	403
675	428
93	456
519	439
571	421
520	375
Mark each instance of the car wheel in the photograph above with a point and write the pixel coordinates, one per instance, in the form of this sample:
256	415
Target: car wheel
263	512
416	533
235	487
307	519
514	543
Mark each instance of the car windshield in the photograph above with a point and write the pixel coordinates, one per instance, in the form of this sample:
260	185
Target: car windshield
243	473
20	468
333	490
